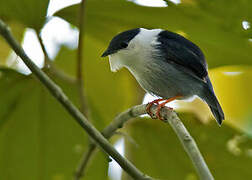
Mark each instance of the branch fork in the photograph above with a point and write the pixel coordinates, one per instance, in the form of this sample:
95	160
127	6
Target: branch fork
170	117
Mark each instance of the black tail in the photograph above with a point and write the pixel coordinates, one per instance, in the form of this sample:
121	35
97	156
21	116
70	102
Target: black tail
218	113
212	102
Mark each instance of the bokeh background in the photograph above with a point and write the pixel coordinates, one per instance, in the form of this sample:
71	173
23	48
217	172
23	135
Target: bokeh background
39	140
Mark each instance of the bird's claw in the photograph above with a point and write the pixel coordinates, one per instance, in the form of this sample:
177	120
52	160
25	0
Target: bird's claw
149	105
160	106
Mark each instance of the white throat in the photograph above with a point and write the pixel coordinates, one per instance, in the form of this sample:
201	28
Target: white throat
115	62
138	51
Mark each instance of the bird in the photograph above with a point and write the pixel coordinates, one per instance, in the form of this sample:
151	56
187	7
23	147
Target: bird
166	65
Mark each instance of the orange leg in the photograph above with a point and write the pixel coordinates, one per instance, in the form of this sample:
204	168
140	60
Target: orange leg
151	104
160	106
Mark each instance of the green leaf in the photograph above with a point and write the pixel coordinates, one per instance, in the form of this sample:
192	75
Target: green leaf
215	28
18	31
66	60
38	138
28	12
20	15
159	153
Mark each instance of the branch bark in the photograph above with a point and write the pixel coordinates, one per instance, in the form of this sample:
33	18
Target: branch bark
56	91
80	59
169	116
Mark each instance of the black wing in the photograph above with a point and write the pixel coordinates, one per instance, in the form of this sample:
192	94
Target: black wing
183	52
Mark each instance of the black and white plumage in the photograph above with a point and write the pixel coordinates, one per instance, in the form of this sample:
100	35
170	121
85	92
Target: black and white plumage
165	64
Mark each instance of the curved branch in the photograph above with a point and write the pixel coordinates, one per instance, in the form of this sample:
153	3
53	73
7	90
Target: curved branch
170	116
56	91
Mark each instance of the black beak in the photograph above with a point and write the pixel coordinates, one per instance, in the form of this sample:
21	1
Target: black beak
108	52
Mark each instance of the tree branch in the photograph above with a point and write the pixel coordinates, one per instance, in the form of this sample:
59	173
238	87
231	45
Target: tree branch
177	125
79	75
69	106
107	133
189	145
49	65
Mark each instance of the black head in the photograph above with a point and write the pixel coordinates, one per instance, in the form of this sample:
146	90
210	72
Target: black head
120	41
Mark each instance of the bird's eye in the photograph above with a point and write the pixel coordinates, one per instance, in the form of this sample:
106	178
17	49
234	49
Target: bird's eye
124	44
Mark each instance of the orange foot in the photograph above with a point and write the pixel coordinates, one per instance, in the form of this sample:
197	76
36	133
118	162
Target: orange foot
160	106
150	104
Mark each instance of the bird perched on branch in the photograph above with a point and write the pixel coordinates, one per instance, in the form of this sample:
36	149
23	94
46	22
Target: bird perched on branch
165	64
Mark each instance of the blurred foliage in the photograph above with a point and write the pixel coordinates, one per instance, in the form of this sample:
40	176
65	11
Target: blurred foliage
232	88
20	15
158	152
30	13
39	140
5	50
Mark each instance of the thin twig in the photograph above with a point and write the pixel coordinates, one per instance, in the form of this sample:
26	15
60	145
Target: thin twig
56	91
80	59
60	74
47	59
49	65
177	125
83	107
80	171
